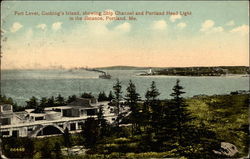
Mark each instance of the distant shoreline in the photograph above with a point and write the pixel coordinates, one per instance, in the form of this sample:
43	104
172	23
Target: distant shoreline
126	67
229	75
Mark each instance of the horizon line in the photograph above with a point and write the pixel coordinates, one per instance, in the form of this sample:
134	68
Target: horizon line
113	66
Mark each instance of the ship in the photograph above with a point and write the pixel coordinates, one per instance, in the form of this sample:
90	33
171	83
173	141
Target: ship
105	75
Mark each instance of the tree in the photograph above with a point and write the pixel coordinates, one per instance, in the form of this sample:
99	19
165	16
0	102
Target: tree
90	132
66	135
118	96
132	98
32	103
102	97
44	102
111	96
145	114
87	95
71	99
51	101
102	122
42	105
166	134
17	108
179	112
60	100
153	93
153	104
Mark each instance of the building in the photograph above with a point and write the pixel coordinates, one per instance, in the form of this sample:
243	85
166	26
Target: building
53	121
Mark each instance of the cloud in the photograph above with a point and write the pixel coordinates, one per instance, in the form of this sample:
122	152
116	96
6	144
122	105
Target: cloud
159	25
173	18
125	27
15	27
41	26
208	24
208	27
230	23
217	29
56	26
244	29
181	25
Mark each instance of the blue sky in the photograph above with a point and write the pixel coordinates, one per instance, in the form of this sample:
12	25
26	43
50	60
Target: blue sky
216	33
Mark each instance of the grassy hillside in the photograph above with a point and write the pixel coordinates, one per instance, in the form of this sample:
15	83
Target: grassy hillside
226	115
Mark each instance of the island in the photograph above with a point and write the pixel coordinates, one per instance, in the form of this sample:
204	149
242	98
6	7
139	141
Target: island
199	71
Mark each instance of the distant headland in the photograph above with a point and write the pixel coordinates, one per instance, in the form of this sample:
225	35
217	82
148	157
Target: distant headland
186	71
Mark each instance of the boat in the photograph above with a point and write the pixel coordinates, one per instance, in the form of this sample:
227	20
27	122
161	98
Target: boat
105	75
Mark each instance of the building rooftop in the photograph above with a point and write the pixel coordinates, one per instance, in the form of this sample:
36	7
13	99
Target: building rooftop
84	107
84	102
45	122
58	107
37	114
21	114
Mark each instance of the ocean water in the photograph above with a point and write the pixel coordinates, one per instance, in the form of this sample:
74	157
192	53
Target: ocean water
23	84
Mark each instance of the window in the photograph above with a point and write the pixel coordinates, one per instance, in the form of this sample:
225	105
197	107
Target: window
7	107
91	112
67	113
5	121
73	126
5	133
80	125
15	133
38	118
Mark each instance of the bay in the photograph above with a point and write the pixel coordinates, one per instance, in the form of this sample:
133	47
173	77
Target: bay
23	84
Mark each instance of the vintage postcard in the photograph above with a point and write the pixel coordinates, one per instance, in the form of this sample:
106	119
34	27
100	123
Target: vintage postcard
124	79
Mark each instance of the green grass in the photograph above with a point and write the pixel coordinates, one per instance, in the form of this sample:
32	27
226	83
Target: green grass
226	115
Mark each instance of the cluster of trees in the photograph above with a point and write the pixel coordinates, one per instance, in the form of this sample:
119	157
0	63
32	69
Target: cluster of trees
34	103
165	125
40	104
103	97
161	125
